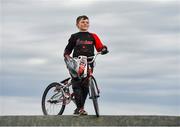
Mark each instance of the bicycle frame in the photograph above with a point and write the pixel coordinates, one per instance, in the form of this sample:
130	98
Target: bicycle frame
63	95
67	82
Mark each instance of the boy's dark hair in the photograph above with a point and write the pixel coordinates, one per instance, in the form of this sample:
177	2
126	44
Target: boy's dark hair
84	17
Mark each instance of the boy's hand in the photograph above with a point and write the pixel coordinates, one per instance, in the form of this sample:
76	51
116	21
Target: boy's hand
67	57
104	50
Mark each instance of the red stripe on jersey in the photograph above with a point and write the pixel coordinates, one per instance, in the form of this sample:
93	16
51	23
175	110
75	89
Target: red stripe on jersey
98	43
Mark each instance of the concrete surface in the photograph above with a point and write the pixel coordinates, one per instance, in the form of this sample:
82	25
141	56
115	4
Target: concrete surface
89	121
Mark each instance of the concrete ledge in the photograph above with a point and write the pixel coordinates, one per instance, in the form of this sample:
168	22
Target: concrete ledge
89	121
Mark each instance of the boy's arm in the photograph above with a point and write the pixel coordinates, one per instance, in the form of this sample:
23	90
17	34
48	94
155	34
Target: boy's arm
70	46
98	44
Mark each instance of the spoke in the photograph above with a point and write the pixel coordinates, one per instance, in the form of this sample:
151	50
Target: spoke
49	109
53	109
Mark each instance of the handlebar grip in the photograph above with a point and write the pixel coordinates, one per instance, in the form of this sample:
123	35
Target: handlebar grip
104	52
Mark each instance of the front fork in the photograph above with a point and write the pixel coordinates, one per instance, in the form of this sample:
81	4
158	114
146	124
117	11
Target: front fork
95	88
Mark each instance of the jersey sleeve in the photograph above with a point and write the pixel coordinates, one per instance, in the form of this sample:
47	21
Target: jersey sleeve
70	46
98	44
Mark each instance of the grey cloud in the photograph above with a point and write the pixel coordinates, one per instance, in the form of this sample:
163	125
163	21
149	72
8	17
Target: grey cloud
143	39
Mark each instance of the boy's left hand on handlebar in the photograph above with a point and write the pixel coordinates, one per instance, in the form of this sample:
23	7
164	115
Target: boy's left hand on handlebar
104	50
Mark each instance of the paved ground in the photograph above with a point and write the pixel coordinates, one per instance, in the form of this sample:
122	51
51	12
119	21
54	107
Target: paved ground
90	121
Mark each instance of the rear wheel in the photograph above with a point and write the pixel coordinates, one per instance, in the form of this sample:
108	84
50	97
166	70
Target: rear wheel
94	95
53	100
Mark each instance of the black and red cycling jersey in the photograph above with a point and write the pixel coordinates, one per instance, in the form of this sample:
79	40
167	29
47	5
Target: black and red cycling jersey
83	43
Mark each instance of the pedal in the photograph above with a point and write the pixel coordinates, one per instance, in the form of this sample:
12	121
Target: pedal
95	96
90	98
52	101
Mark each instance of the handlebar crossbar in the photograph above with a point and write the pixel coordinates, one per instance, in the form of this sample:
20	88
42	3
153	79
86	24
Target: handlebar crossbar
93	57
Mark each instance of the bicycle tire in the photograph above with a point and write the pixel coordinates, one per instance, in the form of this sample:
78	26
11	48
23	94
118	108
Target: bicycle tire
54	84
94	95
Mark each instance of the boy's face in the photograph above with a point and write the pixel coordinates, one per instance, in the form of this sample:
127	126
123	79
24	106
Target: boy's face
83	24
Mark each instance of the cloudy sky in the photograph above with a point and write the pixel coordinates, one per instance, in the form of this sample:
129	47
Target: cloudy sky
140	75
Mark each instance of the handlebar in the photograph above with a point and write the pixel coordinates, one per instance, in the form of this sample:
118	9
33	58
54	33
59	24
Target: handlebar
93	57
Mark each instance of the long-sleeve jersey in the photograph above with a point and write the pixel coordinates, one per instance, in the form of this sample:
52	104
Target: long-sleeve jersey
83	43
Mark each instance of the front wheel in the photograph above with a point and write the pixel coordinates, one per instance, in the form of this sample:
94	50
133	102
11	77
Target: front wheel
94	94
53	100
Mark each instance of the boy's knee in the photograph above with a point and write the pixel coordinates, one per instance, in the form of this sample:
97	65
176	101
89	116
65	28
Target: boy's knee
77	92
76	83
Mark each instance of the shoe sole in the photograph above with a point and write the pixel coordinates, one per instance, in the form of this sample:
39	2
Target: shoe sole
83	114
80	114
76	114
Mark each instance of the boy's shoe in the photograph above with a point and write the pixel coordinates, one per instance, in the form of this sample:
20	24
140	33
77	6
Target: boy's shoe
76	111
82	112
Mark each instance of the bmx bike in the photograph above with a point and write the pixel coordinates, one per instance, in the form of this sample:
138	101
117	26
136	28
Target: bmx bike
57	94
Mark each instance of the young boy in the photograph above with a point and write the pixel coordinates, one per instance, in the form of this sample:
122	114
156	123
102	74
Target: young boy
82	43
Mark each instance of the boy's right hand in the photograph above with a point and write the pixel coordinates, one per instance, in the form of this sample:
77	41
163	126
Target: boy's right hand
67	57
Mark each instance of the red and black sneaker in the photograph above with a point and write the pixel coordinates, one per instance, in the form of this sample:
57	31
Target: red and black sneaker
82	112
